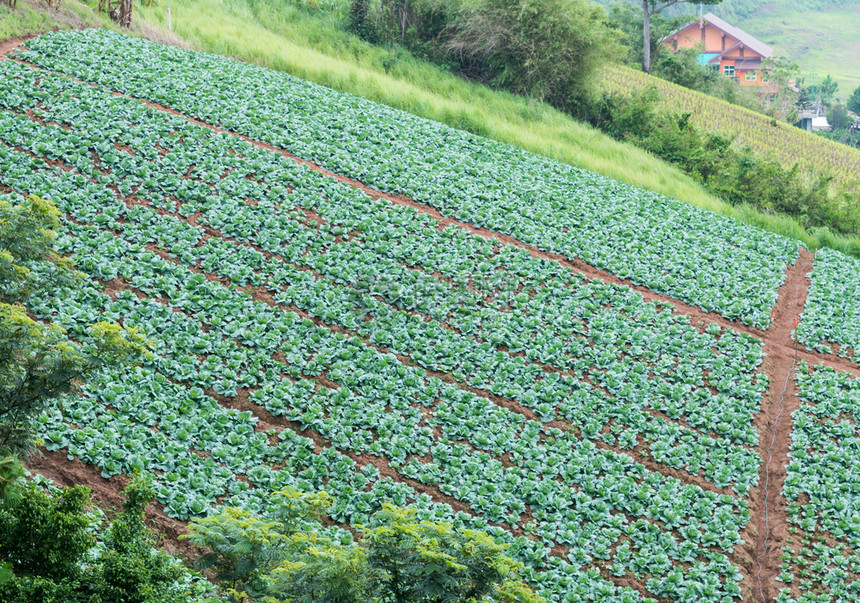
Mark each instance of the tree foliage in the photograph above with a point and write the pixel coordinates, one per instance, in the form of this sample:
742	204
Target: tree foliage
49	546
627	20
288	556
651	8
837	116
545	49
853	101
38	362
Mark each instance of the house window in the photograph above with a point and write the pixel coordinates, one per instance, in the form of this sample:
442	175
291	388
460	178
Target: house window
729	70
764	76
749	76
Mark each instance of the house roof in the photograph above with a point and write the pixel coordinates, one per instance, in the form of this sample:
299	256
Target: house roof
740	64
720	55
747	40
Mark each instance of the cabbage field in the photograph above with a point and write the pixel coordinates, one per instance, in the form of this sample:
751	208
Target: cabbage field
707	260
311	335
823	490
832	313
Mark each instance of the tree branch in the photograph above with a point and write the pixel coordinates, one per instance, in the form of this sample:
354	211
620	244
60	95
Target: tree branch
667	5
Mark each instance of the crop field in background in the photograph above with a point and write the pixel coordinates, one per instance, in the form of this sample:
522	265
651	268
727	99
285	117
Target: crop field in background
789	144
583	369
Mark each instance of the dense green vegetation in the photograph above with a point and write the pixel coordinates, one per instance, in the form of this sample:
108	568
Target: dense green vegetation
286	555
55	547
821	559
399	362
330	332
48	545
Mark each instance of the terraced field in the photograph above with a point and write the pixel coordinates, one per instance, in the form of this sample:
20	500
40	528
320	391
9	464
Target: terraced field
791	145
349	298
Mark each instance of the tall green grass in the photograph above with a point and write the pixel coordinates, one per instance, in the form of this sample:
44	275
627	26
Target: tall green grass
24	21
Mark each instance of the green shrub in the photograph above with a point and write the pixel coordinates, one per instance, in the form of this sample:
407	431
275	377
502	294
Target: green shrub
288	556
547	50
736	174
47	539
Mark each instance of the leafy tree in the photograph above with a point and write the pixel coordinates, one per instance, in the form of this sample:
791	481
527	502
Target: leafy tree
827	89
38	362
837	117
46	535
651	8
130	569
415	24
49	546
627	20
432	561
544	49
853	102
288	556
682	67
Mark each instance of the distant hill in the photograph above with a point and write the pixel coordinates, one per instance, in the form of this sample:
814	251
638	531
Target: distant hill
824	41
819	35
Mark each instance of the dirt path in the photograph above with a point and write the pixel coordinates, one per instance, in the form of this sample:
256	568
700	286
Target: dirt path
9	45
768	527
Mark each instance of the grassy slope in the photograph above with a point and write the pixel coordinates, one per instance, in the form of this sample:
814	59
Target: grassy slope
271	34
827	41
28	21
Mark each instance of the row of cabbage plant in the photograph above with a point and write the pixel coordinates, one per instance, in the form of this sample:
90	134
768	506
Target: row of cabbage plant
832	311
821	562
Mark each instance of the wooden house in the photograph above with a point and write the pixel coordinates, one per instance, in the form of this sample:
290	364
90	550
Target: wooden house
726	48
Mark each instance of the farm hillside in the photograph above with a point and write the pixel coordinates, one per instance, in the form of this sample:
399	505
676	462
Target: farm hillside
791	145
349	298
315	46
